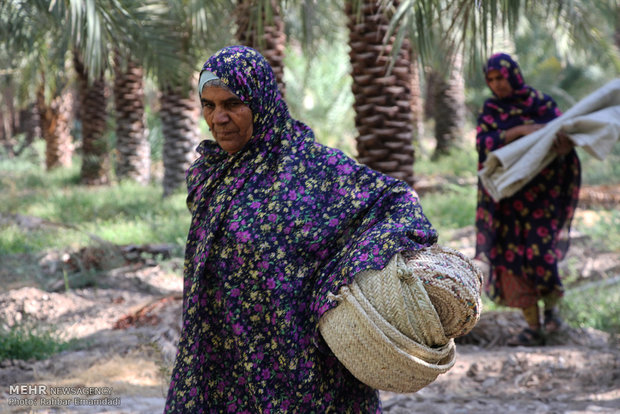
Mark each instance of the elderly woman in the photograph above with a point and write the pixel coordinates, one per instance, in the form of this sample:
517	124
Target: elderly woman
521	236
278	222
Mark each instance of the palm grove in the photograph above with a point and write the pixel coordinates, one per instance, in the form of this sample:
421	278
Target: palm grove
73	70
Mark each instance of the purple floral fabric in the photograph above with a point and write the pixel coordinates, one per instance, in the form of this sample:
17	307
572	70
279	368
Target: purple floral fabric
521	236
276	227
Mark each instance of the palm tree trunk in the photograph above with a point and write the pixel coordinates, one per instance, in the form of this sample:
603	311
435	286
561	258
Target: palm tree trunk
92	112
8	115
30	125
449	108
180	111
383	100
132	145
55	121
271	43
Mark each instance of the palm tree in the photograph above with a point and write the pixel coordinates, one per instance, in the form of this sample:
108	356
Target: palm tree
37	67
448	106
92	112
96	28
55	124
132	146
196	22
383	93
179	112
261	26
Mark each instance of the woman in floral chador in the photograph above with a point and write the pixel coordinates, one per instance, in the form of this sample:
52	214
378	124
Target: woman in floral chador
521	235
278	222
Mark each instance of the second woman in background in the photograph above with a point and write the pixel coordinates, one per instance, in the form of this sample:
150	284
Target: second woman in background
524	236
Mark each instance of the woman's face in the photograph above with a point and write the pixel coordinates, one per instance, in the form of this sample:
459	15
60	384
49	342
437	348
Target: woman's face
229	119
499	84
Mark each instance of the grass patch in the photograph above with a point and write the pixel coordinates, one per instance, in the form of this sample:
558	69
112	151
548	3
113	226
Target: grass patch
603	226
27	342
595	307
454	208
459	162
76	215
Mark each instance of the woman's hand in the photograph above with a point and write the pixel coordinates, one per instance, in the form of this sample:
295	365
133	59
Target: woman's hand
562	144
521	130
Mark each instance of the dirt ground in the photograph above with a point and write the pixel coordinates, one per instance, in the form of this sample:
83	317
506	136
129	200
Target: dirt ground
128	323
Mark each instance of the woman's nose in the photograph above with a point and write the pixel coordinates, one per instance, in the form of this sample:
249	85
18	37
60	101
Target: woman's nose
220	116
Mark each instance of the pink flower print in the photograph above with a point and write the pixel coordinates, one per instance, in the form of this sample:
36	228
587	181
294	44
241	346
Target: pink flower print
538	213
235	292
519	77
540	271
333	222
488	119
479	213
201	233
510	256
232	408
549	258
504	72
529	101
234	225
489	143
518	205
237	328
243	236
542	231
271	284
503	116
529	196
344	169
480	239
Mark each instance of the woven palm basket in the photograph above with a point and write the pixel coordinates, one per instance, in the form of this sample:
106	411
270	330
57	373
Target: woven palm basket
393	329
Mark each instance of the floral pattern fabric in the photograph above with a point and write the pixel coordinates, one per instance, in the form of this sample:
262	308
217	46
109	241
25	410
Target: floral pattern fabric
275	228
523	236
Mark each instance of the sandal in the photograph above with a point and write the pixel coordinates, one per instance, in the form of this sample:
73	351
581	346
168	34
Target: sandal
553	322
527	337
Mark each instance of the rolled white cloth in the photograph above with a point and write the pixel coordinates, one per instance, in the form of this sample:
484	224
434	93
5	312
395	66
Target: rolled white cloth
592	123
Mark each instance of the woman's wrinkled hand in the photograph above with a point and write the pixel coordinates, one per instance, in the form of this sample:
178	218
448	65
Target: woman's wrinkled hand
519	131
530	128
562	144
